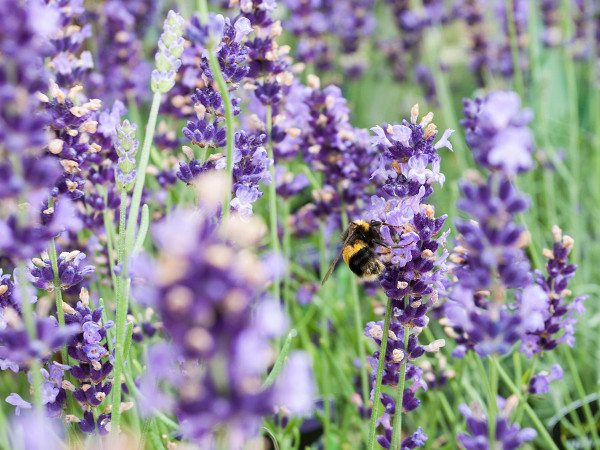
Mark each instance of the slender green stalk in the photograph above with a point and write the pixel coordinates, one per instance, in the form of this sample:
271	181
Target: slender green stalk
492	402
122	218
325	376
280	359
104	320
397	433
60	314
275	247
109	230
433	42
128	334
58	295
28	318
224	91
358	328
543	432
126	239
514	47
324	340
142	232
119	354
122	307
379	375
573	129
581	392
3	428
143	157
529	374
287	254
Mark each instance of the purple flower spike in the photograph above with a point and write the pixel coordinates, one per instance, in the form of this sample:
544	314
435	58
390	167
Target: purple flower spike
558	315
414	274
93	363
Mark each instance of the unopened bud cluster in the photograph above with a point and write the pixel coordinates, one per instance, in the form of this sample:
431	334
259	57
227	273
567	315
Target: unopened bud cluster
170	48
126	147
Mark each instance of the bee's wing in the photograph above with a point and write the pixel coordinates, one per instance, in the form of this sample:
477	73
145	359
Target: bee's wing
337	257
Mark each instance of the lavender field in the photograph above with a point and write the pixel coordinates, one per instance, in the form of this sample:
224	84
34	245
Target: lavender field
299	224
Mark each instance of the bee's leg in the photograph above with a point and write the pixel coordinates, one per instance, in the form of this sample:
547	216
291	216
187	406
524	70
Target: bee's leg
390	225
383	244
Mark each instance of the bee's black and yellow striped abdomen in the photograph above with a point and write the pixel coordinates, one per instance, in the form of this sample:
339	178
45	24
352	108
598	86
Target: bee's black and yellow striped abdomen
360	260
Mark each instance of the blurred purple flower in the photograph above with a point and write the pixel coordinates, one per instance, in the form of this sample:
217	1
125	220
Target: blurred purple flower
508	437
540	384
34	429
297	372
496	130
205	308
16	400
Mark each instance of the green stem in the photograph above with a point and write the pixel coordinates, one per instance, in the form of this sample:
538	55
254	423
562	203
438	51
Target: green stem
121	307
433	42
397	433
525	382
514	47
104	320
122	217
125	244
27	315
573	149
143	157
543	432
60	314
358	328
581	392
492	402
324	341
109	230
224	91
58	295
156	413
280	360
275	247
379	375
287	254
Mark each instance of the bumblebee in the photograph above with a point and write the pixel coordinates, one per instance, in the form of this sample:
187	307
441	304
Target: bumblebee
358	249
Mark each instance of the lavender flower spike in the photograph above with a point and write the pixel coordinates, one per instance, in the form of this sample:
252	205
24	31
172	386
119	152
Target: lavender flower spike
170	48
126	147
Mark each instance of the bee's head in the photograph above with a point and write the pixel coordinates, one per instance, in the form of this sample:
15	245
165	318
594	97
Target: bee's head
375	223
